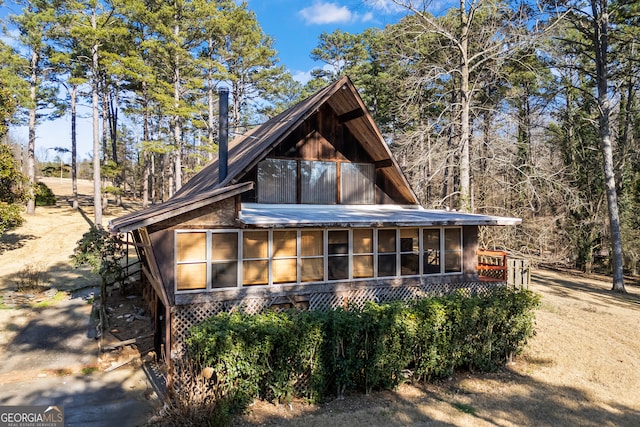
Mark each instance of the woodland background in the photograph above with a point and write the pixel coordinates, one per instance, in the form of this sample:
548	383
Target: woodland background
525	109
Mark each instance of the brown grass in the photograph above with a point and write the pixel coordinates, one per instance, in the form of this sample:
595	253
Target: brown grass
581	369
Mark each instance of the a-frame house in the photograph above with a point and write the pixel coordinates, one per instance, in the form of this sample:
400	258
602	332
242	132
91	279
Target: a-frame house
312	211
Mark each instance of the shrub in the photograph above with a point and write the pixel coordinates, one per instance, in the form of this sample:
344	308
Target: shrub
104	253
44	195
10	216
317	355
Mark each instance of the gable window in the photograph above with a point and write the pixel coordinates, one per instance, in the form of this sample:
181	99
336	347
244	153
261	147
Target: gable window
277	181
318	182
356	183
315	182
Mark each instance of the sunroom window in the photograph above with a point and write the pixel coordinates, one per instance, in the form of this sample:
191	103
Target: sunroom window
387	252
191	261
452	250
207	260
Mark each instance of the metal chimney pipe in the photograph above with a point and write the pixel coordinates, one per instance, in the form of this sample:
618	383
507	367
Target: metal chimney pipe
223	133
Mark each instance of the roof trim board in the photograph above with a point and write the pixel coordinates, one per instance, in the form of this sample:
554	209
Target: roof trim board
175	207
286	215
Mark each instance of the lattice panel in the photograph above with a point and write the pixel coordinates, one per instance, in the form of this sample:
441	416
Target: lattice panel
186	316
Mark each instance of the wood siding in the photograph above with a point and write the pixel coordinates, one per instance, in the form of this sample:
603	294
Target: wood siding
322	137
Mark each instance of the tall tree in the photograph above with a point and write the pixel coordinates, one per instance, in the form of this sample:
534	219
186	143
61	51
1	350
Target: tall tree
475	35
34	24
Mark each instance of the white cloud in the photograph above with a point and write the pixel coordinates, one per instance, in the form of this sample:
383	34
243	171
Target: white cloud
302	77
326	13
386	6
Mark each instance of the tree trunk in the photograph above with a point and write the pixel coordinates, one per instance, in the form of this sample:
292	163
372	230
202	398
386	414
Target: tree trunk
31	149
601	42
97	199
74	147
465	106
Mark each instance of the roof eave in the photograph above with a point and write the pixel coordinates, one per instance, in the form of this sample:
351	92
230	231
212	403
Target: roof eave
177	207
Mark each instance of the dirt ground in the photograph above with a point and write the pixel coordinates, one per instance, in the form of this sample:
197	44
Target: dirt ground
582	367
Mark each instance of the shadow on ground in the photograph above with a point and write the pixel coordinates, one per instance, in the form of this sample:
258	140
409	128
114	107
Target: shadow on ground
530	403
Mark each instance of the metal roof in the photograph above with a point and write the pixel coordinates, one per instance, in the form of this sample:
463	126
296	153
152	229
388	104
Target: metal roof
174	207
285	215
247	150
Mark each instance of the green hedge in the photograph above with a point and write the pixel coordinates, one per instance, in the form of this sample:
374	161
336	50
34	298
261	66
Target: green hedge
317	355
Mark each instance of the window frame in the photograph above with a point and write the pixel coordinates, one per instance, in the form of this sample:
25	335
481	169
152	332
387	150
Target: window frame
324	232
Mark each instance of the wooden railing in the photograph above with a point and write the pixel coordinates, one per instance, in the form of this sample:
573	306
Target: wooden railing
494	266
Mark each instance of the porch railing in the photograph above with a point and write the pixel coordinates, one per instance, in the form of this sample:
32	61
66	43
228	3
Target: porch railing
492	265
495	266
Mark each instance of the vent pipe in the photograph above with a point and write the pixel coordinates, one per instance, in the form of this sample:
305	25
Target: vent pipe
223	133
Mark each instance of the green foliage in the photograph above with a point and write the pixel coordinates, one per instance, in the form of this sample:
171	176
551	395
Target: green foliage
104	253
12	184
10	216
315	355
44	195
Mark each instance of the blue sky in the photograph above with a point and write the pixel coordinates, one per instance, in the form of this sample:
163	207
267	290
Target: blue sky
296	24
293	24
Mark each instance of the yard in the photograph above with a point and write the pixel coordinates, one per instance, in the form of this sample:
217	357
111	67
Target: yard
582	368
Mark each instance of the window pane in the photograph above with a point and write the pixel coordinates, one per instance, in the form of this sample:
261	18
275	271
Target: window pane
386	241
431	239
224	275
452	239
284	243
386	265
318	182
362	266
191	246
312	269
255	244
356	183
431	262
338	267
312	243
409	264
191	276
224	246
277	181
339	242
255	272
284	270
362	241
409	240
452	262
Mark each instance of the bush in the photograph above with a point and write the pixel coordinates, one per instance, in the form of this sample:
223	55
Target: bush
104	253
10	216
317	355
44	195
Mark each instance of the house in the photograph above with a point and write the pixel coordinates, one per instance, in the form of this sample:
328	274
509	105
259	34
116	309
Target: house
308	210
